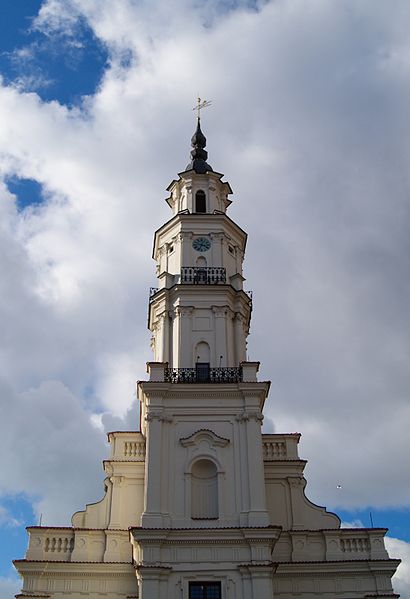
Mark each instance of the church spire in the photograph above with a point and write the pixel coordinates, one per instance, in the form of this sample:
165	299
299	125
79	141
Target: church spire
198	153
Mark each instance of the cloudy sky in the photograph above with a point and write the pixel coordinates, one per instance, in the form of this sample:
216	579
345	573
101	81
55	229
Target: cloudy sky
310	124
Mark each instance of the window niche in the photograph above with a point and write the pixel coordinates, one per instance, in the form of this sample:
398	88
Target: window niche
204	490
200	201
204	474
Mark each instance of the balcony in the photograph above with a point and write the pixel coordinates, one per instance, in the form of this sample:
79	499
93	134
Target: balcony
203	275
152	292
203	374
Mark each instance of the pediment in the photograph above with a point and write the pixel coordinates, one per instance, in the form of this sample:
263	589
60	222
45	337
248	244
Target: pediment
204	435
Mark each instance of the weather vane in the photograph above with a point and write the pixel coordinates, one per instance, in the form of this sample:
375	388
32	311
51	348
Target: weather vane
200	105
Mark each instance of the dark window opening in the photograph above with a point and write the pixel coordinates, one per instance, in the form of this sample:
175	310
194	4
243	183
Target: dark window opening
204	590
200	201
202	372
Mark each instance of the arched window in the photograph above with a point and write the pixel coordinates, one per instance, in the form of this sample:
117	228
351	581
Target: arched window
202	352
200	201
201	262
204	490
202	362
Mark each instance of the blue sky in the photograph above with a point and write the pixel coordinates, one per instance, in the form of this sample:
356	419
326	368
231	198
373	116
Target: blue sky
95	120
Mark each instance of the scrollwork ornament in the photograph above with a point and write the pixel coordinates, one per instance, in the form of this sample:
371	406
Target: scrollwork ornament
242	416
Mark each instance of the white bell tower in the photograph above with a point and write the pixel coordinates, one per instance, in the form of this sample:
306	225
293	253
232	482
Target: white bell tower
199	314
202	407
198	503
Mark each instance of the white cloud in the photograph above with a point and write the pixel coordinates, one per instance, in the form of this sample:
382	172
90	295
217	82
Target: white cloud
401	580
9	587
53	451
7	519
309	120
353	524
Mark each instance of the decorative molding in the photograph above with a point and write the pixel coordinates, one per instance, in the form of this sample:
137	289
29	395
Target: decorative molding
223	312
184	311
160	416
249	415
204	434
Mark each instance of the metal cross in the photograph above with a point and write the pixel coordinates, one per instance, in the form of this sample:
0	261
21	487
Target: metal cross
200	105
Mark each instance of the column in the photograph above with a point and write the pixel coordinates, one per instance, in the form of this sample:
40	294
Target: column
185	251
240	339
296	486
258	515
184	358
152	516
261	581
164	326
217	249
242	419
220	335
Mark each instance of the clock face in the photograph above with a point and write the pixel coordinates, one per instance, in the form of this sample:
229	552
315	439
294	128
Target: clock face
201	244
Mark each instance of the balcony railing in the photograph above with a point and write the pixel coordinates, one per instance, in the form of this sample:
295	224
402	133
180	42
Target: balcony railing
203	275
203	374
152	292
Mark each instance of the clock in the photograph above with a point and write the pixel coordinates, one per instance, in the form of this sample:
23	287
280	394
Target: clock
201	244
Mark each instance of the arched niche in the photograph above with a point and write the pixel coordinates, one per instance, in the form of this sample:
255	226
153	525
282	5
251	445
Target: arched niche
201	262
202	362
204	490
202	353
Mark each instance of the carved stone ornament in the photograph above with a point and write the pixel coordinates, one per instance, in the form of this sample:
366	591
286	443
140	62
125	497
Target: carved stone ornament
242	417
204	434
185	235
184	311
245	416
222	311
296	481
160	416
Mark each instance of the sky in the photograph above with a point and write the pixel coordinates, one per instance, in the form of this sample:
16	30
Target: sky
310	124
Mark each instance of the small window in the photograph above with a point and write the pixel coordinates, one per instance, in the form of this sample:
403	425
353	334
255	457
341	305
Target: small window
204	590
200	201
171	249
230	249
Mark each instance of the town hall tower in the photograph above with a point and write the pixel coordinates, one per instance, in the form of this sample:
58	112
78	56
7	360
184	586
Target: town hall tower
199	503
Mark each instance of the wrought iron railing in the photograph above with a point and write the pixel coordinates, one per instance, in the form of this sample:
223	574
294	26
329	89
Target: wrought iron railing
203	275
152	292
201	375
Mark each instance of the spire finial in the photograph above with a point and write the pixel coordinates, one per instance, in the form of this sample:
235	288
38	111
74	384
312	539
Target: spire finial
200	105
198	142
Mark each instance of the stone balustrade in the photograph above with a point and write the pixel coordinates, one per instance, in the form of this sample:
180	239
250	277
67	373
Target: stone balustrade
127	446
351	543
280	447
134	450
53	544
78	545
338	544
355	545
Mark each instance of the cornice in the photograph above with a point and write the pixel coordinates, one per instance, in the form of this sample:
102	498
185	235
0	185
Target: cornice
210	541
202	529
183	217
74	529
205	390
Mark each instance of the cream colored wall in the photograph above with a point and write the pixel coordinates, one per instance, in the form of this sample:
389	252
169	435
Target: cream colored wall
123	502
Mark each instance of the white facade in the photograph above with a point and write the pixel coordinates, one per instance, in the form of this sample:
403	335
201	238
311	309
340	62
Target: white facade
199	503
